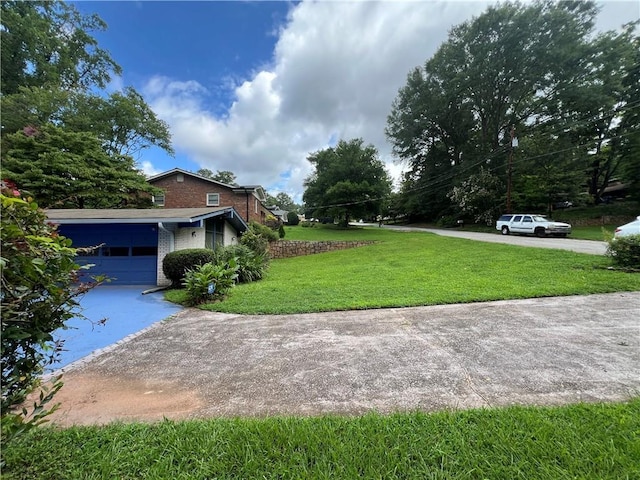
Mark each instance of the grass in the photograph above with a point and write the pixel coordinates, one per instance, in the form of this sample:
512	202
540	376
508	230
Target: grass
589	441
416	268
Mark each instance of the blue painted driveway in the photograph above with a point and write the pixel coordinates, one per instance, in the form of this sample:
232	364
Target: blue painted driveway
127	311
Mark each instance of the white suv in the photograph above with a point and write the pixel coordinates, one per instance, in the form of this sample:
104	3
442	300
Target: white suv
525	223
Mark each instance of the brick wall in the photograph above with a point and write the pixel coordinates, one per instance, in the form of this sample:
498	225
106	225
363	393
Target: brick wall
296	248
192	193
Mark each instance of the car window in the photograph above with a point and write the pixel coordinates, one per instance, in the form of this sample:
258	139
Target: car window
540	218
517	218
527	219
505	218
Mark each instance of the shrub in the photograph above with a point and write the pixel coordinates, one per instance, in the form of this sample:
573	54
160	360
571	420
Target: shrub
210	281
175	264
292	219
625	251
39	293
281	232
251	265
257	238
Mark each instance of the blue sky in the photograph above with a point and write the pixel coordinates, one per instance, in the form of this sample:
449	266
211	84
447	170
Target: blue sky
255	87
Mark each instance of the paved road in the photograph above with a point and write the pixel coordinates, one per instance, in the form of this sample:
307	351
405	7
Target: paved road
544	351
580	246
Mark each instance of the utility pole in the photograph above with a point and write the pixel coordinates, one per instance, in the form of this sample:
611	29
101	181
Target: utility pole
514	144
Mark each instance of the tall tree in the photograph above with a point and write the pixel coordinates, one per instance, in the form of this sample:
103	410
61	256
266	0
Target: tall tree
349	181
49	43
66	169
516	65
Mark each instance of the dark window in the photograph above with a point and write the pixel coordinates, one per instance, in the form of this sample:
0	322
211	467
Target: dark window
115	251
144	251
517	218
527	220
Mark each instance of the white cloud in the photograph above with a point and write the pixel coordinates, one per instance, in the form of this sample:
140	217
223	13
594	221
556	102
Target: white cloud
337	67
148	169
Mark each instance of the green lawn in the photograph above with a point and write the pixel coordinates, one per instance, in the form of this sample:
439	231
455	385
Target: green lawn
586	441
416	268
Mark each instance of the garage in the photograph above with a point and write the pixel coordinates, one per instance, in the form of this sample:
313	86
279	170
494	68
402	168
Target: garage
126	253
128	245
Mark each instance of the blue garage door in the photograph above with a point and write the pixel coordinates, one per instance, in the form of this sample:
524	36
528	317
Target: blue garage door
128	255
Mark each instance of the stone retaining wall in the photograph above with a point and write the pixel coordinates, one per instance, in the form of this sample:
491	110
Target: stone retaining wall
296	248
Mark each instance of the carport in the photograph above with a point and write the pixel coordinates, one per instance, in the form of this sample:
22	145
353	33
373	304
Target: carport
128	245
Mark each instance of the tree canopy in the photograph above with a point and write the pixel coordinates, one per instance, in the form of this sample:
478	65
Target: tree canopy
54	76
536	69
349	181
223	176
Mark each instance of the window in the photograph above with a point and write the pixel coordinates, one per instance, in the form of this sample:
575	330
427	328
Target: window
257	203
180	178
158	200
527	219
517	218
213	199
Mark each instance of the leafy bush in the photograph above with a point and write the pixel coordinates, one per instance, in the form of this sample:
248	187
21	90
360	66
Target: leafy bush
281	232
257	238
625	251
251	265
210	281
292	219
175	264
39	293
263	230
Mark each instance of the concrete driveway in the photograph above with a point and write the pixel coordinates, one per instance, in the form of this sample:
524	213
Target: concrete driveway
202	364
580	246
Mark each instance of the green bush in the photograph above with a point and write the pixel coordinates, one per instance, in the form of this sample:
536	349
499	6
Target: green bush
292	219
269	234
210	281
251	265
625	251
39	292
175	264
258	237
281	232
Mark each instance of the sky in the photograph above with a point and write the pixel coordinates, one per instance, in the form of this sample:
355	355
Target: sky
256	87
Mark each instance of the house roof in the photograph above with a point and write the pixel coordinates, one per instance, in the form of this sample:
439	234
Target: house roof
144	215
236	188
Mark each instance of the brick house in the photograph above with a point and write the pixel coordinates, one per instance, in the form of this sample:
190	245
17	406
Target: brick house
184	189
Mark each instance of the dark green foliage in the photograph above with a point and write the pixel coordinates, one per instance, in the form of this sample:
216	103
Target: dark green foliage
534	68
349	181
251	265
72	170
49	43
281	232
293	219
625	251
38	296
258	237
63	138
175	264
208	282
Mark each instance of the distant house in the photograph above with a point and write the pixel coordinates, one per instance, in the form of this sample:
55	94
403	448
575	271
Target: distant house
133	242
277	212
183	189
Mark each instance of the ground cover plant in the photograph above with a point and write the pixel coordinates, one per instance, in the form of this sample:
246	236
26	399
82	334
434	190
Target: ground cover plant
598	441
416	268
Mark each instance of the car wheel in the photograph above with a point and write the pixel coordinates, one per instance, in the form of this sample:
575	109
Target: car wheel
505	230
540	232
